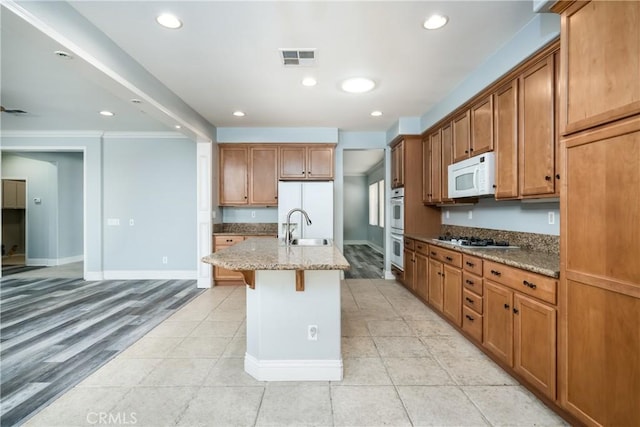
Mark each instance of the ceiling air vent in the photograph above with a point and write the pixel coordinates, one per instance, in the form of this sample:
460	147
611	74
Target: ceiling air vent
298	57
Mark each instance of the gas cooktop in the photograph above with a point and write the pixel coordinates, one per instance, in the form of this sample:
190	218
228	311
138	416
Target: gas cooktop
476	242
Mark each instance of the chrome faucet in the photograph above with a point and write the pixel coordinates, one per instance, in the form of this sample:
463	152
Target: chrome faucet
289	236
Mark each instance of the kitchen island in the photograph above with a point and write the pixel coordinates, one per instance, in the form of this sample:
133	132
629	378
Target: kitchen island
293	308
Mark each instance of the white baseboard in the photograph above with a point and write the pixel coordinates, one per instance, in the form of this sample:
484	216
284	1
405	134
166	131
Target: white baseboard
388	275
150	274
293	370
204	283
91	276
52	262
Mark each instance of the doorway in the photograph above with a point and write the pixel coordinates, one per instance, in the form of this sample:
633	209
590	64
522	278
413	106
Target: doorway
364	212
14	230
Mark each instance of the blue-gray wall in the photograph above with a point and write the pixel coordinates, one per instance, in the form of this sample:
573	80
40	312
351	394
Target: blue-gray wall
355	208
249	214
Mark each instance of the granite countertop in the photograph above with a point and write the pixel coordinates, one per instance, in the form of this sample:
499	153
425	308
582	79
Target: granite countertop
245	229
272	254
547	264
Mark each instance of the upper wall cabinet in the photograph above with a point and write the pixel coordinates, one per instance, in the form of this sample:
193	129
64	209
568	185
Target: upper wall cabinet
461	138
307	162
431	168
600	51
537	136
13	194
248	175
397	165
506	140
482	127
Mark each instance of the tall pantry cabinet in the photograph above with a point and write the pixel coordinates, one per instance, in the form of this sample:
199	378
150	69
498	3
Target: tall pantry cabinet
599	298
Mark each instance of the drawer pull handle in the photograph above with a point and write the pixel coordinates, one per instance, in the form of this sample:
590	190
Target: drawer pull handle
469	300
506	306
469	282
419	247
469	317
433	253
516	311
470	264
496	273
529	284
449	258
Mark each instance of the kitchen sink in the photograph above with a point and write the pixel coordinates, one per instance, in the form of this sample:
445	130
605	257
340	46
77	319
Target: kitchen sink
311	242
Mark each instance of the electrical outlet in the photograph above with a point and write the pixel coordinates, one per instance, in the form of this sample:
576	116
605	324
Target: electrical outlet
253	214
312	332
552	218
470	214
131	222
165	260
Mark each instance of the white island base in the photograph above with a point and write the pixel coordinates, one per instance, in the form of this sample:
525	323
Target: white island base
279	320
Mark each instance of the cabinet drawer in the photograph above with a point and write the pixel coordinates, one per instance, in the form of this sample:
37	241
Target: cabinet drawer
219	241
472	282
541	287
422	248
472	264
472	300
409	244
472	323
446	256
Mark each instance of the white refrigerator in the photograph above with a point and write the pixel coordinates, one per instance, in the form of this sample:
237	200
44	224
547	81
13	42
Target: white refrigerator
316	198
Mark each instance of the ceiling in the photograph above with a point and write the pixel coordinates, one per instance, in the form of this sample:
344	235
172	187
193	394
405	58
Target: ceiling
226	58
359	162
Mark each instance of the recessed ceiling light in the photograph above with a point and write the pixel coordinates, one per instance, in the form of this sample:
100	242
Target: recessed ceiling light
168	20
107	113
376	113
435	21
178	127
358	85
309	81
238	113
62	54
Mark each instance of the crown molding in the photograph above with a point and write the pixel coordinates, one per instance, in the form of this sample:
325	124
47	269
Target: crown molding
50	134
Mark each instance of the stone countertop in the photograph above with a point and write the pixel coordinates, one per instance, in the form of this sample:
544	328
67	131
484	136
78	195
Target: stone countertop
547	264
239	233
272	254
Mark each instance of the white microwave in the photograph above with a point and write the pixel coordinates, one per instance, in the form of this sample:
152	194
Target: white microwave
472	177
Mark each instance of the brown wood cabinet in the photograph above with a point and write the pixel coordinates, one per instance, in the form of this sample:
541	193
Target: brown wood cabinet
447	159
461	137
432	163
537	136
436	290
518	329
397	164
452	294
445	282
234	172
506	140
14	195
307	162
422	270
263	175
481	127
222	275
472	299
600	48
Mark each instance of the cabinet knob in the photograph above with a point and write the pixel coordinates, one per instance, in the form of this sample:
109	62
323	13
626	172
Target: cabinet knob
433	253
276	197
245	197
516	311
449	258
495	186
469	317
469	300
547	178
469	282
506	306
470	149
557	176
466	151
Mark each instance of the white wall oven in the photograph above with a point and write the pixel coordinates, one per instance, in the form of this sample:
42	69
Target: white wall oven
397	227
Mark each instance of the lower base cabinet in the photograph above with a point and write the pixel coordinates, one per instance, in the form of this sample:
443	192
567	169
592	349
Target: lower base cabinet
452	294
222	276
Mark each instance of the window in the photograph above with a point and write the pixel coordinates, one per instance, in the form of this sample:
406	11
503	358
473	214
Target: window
376	203
373	204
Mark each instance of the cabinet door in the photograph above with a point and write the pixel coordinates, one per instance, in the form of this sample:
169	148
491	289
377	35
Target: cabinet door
233	175
534	343
426	170
409	269
461	137
537	130
9	194
436	165
506	135
452	294
397	165
482	127
220	243
21	194
320	163
447	159
422	276
435	284
600	63
293	162
263	175
498	321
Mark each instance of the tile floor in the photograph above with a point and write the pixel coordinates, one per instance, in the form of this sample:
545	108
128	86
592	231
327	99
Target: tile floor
403	365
